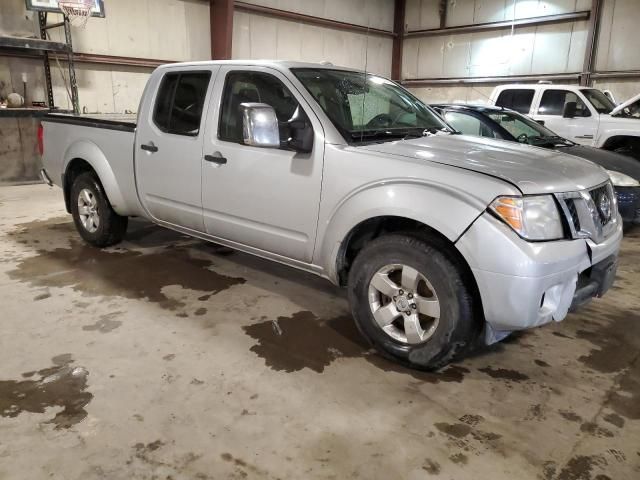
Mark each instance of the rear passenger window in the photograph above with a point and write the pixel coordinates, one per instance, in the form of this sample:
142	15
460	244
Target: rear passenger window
180	101
516	99
553	102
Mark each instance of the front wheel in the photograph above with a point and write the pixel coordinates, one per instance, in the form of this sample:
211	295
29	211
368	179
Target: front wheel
411	301
95	220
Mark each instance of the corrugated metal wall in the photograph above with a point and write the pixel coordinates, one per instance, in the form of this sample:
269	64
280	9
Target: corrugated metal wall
259	37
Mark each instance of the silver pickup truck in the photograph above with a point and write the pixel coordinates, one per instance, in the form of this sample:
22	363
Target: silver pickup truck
443	240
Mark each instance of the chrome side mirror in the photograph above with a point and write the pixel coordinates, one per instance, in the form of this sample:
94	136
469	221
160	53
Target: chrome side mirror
260	125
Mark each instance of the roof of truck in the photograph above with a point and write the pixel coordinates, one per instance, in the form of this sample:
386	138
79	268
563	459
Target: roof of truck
278	64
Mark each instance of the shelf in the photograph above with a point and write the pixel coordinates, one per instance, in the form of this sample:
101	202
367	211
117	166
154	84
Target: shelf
23	43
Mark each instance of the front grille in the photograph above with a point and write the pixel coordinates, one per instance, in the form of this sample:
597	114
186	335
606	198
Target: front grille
590	213
573	212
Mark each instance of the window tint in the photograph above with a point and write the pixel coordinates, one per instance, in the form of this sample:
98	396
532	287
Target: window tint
249	87
516	99
553	102
469	125
179	102
520	126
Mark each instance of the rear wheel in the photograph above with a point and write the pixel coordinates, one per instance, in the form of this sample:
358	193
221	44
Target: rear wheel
411	301
95	220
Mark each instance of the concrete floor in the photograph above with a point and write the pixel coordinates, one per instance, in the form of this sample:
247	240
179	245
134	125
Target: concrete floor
171	358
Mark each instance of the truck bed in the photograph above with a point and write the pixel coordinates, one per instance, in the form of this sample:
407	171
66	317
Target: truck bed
105	142
112	121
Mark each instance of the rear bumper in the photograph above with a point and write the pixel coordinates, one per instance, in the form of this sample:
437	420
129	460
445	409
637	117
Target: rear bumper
45	177
527	284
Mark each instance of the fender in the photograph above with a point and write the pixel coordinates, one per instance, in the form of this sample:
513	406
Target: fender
610	132
91	153
442	207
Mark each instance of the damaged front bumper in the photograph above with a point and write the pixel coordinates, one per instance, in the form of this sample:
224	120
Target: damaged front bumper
526	284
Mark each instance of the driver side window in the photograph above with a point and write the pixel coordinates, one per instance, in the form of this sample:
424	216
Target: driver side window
252	87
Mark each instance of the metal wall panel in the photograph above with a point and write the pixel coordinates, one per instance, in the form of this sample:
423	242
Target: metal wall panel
261	37
617	49
557	48
369	13
422	14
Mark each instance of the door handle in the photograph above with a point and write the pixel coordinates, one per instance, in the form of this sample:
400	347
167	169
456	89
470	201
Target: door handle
149	147
589	137
216	158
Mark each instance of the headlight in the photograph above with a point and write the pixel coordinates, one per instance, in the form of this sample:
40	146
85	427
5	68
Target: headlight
533	218
621	180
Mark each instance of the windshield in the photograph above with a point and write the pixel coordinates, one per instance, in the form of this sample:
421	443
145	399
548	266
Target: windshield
599	100
374	110
525	130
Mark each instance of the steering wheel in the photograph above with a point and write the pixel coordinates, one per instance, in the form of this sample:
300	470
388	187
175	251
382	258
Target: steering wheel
523	138
380	120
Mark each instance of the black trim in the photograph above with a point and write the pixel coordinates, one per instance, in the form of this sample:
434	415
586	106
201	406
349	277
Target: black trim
91	122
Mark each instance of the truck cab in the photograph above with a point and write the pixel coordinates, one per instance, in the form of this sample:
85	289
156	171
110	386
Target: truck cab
584	115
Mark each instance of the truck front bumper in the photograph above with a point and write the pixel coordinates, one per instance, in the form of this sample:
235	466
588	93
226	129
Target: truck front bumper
526	284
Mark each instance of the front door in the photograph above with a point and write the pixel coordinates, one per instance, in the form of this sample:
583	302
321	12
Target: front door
581	129
168	149
265	198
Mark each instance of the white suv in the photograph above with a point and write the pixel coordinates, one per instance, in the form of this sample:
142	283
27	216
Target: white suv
584	115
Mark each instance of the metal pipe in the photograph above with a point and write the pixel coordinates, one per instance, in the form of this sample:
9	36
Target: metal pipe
483	27
418	82
592	43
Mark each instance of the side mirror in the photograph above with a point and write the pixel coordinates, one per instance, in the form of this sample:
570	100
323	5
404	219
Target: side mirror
260	125
569	110
541	122
300	137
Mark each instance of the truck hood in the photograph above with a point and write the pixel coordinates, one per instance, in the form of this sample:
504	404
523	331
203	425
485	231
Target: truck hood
533	170
624	105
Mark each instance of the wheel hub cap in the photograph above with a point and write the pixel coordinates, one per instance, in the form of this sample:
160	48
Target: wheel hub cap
404	304
88	210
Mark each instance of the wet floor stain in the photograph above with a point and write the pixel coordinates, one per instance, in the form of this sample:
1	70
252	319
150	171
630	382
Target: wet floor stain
62	385
119	272
581	468
617	351
570	416
105	324
303	340
614	419
504	374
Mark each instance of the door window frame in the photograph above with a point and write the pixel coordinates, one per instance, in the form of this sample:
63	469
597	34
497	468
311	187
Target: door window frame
151	110
576	93
221	99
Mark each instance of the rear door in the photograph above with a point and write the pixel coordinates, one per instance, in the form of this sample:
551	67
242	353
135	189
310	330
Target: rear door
168	147
581	129
265	198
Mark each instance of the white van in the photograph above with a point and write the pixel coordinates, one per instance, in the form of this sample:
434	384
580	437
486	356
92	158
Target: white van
585	115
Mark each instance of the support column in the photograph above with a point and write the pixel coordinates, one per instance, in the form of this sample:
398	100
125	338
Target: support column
221	21
592	43
398	39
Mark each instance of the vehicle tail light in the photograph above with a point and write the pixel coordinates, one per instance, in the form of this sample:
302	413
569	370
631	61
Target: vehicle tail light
41	140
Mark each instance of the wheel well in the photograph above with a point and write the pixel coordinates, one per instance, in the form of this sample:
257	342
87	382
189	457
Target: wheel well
377	226
75	168
621	141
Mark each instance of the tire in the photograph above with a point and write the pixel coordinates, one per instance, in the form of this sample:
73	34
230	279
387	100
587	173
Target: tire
106	227
442	280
